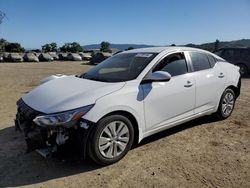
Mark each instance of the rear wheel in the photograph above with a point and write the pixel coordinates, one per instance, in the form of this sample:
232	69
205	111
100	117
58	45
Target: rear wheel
226	105
111	140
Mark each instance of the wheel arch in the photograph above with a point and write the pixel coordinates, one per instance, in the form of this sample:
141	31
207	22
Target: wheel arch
133	120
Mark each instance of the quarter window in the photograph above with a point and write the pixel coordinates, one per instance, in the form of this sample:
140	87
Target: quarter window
211	60
199	61
174	64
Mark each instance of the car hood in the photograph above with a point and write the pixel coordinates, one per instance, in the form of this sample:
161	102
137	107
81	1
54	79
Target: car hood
68	93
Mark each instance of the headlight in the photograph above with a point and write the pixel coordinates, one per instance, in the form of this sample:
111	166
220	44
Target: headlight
64	119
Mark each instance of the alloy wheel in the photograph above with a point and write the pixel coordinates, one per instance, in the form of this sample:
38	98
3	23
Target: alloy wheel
113	139
228	104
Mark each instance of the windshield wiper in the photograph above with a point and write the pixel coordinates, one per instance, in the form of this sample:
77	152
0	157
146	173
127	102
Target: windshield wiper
97	79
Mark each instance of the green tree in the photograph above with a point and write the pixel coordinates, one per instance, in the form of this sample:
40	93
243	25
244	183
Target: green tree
76	47
105	46
216	45
3	43
46	48
73	47
52	47
14	47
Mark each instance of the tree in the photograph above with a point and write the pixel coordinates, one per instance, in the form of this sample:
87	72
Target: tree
216	45
76	47
173	45
105	46
52	47
3	43
130	48
73	47
14	47
46	48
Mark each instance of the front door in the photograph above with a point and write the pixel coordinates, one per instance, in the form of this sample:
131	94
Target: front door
168	102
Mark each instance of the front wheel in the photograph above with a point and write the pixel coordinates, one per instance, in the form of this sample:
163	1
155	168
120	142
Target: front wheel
111	139
226	105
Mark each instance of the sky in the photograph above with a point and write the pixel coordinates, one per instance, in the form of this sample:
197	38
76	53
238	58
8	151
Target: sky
158	22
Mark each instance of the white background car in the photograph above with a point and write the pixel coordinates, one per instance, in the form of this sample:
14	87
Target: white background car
128	97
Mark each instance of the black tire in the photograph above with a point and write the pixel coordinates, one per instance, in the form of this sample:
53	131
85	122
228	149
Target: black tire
93	143
220	112
243	69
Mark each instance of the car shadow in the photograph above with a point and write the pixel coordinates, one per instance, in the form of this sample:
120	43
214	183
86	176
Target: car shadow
18	168
171	131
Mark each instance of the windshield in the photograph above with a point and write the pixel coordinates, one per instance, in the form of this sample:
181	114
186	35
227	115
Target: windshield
121	67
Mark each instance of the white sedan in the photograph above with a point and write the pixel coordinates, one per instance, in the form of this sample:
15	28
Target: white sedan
126	98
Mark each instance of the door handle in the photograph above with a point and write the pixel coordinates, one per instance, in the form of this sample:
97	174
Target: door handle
188	84
221	75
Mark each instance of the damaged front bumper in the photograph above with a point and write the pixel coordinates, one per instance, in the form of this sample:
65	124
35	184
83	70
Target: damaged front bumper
49	140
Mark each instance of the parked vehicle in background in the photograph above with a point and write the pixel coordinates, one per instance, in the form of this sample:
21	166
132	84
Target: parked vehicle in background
45	57
30	57
98	57
74	57
236	56
125	99
63	56
85	56
5	56
15	57
54	55
1	58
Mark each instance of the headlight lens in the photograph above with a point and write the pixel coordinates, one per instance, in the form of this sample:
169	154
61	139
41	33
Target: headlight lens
64	119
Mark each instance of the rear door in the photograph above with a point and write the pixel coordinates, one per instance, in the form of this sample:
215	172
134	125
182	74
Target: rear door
209	79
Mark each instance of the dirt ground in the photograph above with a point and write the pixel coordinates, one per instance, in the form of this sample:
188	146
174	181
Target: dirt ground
201	153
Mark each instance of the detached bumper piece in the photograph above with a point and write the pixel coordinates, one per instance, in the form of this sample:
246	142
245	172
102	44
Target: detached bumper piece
51	140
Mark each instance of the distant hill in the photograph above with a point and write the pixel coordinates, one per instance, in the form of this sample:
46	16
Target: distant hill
118	46
206	46
222	44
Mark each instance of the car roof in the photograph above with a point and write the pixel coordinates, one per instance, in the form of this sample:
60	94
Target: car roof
161	49
170	49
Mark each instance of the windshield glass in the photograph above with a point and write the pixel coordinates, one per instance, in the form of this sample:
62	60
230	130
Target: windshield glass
121	67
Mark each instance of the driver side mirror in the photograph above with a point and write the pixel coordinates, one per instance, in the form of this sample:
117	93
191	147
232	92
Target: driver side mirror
158	76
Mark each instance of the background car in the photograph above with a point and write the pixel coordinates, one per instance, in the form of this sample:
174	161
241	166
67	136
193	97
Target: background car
85	56
1	58
63	56
74	57
237	56
98	57
15	57
45	57
30	57
54	55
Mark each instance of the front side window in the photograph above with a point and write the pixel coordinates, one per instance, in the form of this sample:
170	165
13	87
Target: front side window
119	68
199	61
174	64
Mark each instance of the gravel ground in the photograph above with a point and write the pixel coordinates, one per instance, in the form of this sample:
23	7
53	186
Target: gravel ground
201	153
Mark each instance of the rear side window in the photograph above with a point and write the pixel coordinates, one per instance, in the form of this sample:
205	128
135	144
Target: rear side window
199	61
212	60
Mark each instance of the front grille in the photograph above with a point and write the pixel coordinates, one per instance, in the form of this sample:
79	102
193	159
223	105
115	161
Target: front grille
26	113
